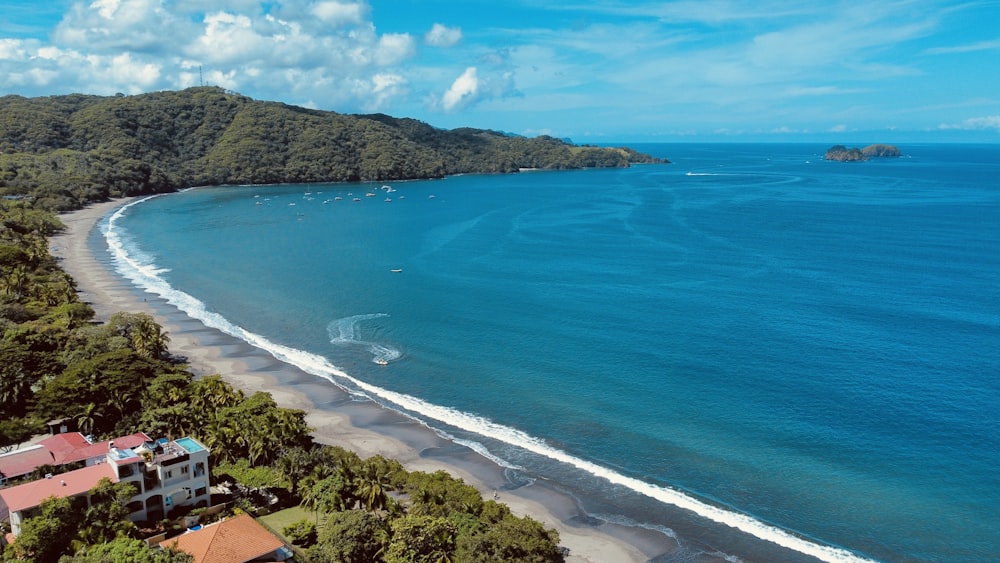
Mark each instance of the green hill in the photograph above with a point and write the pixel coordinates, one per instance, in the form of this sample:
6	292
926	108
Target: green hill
65	151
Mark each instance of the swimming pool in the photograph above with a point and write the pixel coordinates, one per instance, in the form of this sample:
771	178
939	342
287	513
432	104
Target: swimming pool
190	445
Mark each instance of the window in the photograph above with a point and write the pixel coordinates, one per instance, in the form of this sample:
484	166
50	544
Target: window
185	470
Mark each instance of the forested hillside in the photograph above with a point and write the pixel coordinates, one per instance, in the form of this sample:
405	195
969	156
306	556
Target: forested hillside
62	152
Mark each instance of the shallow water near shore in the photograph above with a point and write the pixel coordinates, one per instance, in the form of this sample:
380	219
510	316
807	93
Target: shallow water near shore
805	350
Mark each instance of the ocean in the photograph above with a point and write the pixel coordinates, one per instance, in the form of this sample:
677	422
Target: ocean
747	347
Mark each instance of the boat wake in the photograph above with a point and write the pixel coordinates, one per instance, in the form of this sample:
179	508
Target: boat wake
143	273
344	332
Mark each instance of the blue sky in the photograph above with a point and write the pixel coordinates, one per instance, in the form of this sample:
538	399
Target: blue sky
596	71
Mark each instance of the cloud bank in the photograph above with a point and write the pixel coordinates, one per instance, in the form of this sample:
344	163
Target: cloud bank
326	53
647	68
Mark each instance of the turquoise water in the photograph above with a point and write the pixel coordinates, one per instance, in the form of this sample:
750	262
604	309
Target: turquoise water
190	445
806	351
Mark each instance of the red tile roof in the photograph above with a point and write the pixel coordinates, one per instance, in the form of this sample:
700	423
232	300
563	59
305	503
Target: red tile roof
63	446
236	540
22	462
72	446
65	485
121	443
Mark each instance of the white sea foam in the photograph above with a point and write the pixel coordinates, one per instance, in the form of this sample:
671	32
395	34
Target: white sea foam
345	332
144	273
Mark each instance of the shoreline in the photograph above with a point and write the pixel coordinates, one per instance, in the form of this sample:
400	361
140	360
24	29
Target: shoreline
336	417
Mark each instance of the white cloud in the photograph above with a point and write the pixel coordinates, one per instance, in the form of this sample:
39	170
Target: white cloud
12	49
227	39
840	128
442	36
972	47
324	53
477	84
139	76
384	88
115	25
106	8
463	90
975	123
340	13
393	48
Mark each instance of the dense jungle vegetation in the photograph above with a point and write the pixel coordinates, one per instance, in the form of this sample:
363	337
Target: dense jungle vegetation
118	377
62	152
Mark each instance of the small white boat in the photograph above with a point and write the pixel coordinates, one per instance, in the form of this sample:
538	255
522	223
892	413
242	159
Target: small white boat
396	270
382	362
388	199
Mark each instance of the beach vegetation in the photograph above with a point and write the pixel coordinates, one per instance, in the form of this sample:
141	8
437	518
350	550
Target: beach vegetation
421	539
349	536
123	548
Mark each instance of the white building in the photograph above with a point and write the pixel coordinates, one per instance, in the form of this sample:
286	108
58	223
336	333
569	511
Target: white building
167	475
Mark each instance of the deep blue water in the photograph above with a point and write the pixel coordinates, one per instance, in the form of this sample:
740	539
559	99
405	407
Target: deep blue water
815	345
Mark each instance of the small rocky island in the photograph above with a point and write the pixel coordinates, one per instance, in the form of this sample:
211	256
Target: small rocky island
841	153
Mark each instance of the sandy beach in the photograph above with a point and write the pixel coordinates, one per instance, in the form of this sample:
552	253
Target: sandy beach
337	418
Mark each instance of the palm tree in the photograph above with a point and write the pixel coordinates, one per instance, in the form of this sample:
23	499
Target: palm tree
217	433
371	484
257	449
88	418
215	392
289	425
147	337
308	493
175	417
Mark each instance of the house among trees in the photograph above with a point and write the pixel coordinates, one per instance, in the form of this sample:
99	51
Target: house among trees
61	450
167	475
240	539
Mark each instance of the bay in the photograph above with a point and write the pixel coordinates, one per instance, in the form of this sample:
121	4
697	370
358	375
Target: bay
809	344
